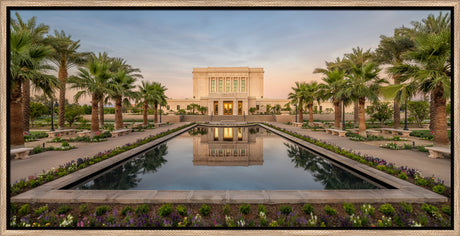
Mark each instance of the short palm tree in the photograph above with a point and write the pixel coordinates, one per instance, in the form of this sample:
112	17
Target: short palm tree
144	95
310	96
37	33
334	82
65	57
158	98
298	97
363	83
120	88
26	64
92	81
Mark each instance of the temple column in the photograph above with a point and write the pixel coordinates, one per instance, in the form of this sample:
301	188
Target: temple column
221	108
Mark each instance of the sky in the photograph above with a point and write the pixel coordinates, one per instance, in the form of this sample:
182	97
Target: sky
167	44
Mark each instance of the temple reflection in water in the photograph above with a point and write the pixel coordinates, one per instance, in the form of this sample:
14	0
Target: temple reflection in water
228	146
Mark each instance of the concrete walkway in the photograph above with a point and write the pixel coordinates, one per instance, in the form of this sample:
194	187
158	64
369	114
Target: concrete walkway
23	168
440	168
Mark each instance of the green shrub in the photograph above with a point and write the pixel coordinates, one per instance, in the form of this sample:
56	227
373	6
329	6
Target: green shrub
65	144
367	209
329	210
430	209
205	210
285	209
446	209
165	210
181	210
83	208
439	188
142	209
24	210
63	209
387	209
125	210
402	175
40	210
226	209
406	207
13	208
421	181
101	210
349	208
381	167
261	208
245	208
307	208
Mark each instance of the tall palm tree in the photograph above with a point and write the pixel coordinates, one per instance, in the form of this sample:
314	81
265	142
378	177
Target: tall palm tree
26	64
391	51
144	96
158	98
65	57
120	89
37	33
298	97
357	57
363	83
334	81
92	81
311	95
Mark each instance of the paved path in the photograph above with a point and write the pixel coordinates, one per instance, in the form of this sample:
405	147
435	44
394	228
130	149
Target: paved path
440	168
23	168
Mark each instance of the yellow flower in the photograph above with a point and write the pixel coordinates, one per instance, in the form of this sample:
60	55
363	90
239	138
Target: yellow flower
47	224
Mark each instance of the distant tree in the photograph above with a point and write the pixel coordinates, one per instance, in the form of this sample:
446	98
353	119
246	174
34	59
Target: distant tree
37	110
380	111
180	112
419	110
203	110
73	113
252	110
287	107
86	109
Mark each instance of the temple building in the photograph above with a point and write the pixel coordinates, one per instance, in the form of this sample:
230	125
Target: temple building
227	91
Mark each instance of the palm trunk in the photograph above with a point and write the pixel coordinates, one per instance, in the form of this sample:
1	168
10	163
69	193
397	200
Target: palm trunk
62	80
26	104
155	117
337	111
356	113
439	118
144	114
118	113
362	119
432	110
94	114
300	112
16	117
101	112
310	109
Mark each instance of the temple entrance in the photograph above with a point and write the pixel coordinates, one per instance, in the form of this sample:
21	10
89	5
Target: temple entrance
216	108
240	108
228	108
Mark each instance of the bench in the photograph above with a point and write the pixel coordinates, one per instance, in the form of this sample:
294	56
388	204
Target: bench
319	124
426	126
372	132
437	152
395	132
120	132
159	124
138	125
340	133
61	132
296	124
84	133
20	153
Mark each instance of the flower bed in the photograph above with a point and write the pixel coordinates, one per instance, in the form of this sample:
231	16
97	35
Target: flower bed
230	216
34	181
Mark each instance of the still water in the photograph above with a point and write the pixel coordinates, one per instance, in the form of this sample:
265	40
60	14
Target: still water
244	158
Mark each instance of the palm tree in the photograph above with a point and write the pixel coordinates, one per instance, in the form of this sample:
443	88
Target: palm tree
391	51
158	98
310	96
120	88
26	64
65	57
433	56
334	81
298	97
357	57
144	95
363	83
92	81
37	32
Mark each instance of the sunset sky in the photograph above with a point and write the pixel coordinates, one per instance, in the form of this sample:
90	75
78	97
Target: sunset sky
167	44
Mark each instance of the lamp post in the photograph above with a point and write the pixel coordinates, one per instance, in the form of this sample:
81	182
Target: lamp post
53	105
295	105
405	115
160	113
343	115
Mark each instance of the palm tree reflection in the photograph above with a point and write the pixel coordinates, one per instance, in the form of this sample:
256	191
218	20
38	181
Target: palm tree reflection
331	176
124	176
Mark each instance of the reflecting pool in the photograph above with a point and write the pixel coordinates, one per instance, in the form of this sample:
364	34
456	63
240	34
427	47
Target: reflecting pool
233	158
